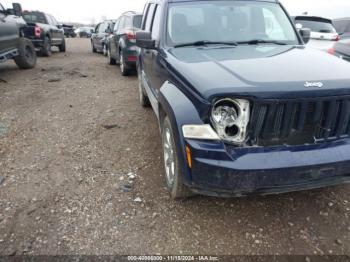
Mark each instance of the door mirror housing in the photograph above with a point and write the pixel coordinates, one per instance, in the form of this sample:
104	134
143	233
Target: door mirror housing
17	9
108	31
59	26
305	34
144	40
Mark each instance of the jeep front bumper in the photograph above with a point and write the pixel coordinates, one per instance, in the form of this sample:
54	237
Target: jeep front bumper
221	170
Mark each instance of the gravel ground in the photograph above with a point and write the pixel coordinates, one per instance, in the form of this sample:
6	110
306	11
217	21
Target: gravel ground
81	173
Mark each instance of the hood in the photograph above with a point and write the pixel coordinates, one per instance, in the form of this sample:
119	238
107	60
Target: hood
261	70
323	45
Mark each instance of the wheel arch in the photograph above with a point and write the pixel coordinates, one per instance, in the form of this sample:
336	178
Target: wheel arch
180	111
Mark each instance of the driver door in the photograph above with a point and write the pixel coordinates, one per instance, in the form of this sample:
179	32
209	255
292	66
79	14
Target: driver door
8	31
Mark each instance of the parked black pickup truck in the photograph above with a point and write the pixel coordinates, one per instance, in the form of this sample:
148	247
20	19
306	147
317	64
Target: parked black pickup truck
45	32
13	41
69	31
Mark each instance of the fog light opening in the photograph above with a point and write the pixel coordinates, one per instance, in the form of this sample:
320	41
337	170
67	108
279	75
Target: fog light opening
232	131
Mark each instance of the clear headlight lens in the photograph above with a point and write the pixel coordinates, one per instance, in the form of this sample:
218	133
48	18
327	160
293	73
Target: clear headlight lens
204	132
230	118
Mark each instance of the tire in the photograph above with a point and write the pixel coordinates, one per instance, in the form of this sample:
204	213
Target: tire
174	182
62	47
144	100
111	60
92	46
46	49
26	58
123	67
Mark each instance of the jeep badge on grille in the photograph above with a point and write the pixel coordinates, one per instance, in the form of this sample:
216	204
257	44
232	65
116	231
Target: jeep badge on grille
313	84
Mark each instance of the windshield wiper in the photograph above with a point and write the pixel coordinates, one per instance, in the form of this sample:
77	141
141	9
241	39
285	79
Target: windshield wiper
204	43
262	41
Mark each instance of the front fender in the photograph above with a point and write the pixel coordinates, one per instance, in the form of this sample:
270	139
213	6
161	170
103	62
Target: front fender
181	111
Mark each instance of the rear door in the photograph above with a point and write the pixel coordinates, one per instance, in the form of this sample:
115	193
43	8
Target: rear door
100	35
94	36
157	74
146	54
119	35
113	41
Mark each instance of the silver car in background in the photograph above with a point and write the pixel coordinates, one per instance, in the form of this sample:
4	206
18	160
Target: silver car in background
323	33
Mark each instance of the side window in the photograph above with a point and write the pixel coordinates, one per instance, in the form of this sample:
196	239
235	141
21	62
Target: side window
128	22
115	29
97	29
156	23
149	18
102	28
48	19
273	28
121	23
54	20
2	11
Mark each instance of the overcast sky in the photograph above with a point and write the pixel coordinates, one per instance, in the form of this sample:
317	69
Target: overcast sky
94	11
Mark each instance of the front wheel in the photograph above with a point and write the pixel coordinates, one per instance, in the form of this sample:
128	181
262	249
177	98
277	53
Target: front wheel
123	67
173	171
111	60
92	46
62	46
144	100
26	58
104	50
46	49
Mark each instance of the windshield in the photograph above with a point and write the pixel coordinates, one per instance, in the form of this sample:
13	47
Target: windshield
34	18
317	26
228	21
137	21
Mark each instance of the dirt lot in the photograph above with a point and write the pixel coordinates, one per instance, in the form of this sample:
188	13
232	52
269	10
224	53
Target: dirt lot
72	136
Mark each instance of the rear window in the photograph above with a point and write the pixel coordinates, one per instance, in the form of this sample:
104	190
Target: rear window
316	26
34	18
137	21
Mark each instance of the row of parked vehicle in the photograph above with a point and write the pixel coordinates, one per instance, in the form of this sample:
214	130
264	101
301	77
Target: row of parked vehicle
23	33
116	39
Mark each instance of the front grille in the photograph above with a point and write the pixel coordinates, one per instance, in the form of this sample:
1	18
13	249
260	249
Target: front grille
299	121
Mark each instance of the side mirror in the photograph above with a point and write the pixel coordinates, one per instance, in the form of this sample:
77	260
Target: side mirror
17	9
144	40
59	26
108	31
305	34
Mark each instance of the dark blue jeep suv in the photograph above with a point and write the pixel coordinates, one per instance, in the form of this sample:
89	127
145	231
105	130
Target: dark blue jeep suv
243	105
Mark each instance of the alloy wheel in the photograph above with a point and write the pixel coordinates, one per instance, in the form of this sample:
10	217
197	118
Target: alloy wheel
169	156
122	66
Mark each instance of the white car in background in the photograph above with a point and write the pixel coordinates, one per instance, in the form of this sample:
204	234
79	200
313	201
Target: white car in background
323	33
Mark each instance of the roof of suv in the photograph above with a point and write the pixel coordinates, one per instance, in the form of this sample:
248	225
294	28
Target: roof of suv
130	13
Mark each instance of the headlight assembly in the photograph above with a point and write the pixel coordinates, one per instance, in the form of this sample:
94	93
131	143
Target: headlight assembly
230	118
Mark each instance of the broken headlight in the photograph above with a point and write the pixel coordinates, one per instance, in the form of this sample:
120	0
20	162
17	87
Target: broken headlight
230	118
